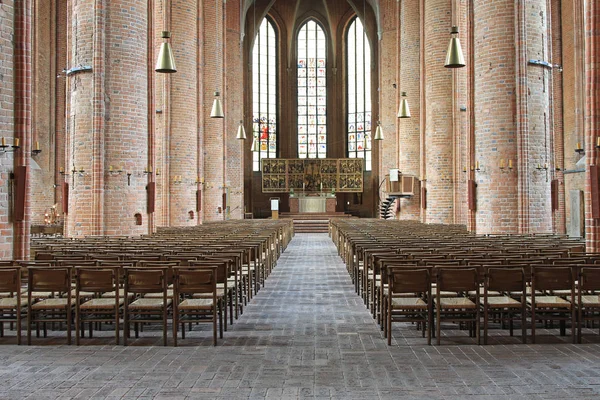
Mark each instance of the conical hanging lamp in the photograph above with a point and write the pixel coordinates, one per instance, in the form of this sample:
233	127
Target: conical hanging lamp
241	132
255	144
378	132
166	62
404	111
454	56
217	108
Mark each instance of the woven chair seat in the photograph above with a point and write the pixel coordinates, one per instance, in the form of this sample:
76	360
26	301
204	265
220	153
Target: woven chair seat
550	301
149	304
82	293
472	293
50	304
456	302
9	303
501	302
100	304
38	295
590	300
220	293
408	302
158	295
562	293
121	294
443	293
194	304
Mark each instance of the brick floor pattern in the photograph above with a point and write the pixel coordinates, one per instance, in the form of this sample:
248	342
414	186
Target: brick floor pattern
305	335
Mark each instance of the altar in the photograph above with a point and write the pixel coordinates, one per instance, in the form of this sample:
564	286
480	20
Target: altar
312	203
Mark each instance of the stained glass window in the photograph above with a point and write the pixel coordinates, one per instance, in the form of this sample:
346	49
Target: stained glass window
312	91
264	93
359	93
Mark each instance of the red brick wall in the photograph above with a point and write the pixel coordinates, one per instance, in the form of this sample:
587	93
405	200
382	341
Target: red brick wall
6	124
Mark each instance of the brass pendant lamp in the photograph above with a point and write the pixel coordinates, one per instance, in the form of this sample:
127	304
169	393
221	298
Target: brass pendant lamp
166	62
241	132
217	108
454	56
404	111
378	132
255	148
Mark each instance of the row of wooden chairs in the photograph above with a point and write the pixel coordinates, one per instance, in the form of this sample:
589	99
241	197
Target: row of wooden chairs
373	248
137	281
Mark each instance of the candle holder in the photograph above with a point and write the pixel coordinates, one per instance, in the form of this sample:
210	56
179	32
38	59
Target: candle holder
9	148
117	171
36	149
148	170
506	168
541	167
578	149
177	180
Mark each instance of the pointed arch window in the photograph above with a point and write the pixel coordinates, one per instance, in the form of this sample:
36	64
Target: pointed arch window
312	91
359	93
264	93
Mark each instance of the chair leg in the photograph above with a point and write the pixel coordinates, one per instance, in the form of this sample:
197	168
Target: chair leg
438	325
214	321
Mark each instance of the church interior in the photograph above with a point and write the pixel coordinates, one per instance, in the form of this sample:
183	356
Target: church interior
299	150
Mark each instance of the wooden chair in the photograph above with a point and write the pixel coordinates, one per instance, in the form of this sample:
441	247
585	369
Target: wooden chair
56	309
588	299
141	281
195	299
11	306
418	307
460	308
549	307
504	307
99	309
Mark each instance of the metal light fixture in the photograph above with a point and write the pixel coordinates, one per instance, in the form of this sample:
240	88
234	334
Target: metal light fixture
378	132
166	62
217	108
404	111
255	144
241	132
454	56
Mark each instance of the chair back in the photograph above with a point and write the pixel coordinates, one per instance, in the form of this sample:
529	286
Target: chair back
408	280
50	279
145	280
551	278
505	279
97	279
589	278
457	279
10	280
196	280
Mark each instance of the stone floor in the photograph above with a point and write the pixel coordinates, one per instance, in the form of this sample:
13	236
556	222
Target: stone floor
305	335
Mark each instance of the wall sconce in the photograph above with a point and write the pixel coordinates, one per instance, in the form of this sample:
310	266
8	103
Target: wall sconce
157	172
62	172
148	170
598	142
541	167
199	181
503	166
177	180
113	171
477	167
36	149
6	148
578	149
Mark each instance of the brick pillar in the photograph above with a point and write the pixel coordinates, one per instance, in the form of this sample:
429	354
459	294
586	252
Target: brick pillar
386	109
7	27
495	127
213	129
22	117
183	140
592	112
108	117
438	146
234	93
409	82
